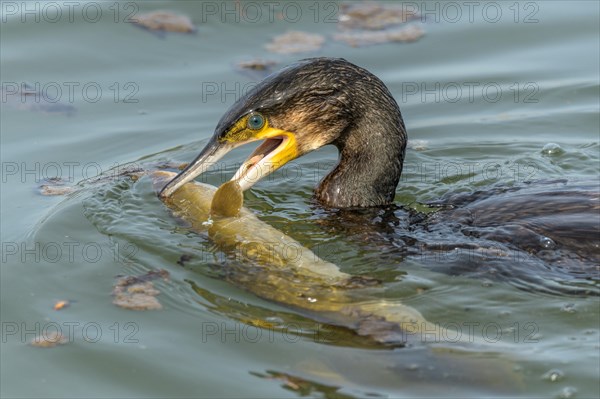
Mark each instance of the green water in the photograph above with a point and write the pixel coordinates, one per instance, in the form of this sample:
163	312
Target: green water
480	101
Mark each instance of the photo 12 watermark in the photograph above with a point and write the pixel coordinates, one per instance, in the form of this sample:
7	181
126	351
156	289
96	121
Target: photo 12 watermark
290	12
452	12
69	11
469	92
63	171
66	252
50	332
446	332
68	92
472	172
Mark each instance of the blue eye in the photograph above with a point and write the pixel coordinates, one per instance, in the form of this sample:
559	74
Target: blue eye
256	121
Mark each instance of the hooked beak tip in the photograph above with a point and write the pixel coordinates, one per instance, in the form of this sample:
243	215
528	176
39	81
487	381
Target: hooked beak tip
168	189
162	193
208	156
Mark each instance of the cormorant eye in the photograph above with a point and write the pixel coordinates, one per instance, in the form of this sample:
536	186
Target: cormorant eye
256	121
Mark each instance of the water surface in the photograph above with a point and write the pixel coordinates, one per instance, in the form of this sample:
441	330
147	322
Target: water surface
481	99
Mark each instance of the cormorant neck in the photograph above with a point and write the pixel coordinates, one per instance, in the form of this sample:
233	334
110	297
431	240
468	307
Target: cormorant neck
370	162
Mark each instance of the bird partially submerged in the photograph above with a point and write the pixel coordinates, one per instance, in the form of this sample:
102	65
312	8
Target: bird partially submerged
302	108
322	101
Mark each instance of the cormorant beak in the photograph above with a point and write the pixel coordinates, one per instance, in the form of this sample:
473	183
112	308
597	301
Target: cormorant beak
278	149
207	157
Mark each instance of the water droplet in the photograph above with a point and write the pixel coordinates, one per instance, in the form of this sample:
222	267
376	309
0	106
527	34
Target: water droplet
274	320
418	145
554	375
486	283
568	308
552	149
547	243
568	392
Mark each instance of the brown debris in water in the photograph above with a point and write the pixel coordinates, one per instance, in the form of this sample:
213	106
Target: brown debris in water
138	292
418	145
52	190
49	340
256	69
165	21
257	64
374	16
59	305
295	42
137	297
369	23
366	38
55	186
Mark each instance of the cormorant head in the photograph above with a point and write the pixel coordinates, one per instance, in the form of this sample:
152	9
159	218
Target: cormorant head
299	109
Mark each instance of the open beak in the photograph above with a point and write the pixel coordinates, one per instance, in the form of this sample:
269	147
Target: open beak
278	149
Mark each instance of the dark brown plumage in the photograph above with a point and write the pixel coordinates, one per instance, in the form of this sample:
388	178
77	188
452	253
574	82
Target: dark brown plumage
331	101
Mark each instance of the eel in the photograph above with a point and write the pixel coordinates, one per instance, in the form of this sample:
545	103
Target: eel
278	268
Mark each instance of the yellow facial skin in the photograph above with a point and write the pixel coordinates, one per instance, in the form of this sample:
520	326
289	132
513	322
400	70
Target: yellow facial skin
240	132
279	148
